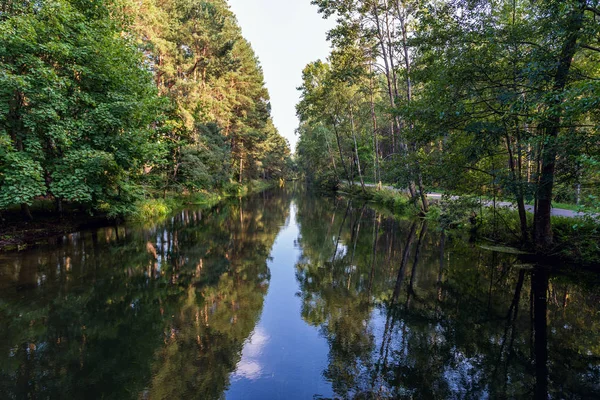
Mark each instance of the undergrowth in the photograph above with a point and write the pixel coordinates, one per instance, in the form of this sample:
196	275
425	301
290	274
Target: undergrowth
158	208
576	240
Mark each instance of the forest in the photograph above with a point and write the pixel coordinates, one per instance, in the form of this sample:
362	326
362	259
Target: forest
492	99
113	107
105	104
159	238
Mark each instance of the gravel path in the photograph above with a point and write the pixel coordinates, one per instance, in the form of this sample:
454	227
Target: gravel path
559	212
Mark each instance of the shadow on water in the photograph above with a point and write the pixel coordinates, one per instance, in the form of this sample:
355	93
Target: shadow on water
402	310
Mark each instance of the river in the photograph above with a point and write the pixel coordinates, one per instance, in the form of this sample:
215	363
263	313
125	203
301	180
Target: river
286	295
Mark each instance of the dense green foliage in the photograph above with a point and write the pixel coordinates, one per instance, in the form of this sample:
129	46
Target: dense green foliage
491	98
103	103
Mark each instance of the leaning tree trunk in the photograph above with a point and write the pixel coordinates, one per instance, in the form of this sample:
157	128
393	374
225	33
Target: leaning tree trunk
339	145
539	290
517	179
377	173
402	17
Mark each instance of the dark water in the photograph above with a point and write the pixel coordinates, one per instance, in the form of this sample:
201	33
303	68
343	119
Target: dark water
288	296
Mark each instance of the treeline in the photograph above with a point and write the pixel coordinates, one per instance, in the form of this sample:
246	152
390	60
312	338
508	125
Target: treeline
481	97
106	102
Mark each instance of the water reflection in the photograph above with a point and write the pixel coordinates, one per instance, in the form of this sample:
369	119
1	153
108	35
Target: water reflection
285	357
130	312
250	366
291	296
409	312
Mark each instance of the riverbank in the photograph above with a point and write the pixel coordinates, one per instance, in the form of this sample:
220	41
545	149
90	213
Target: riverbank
158	207
558	209
17	234
576	237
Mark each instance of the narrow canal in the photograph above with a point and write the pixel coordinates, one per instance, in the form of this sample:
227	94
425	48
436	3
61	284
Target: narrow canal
285	295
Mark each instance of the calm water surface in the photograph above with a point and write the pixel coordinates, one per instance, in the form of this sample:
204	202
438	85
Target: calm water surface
289	296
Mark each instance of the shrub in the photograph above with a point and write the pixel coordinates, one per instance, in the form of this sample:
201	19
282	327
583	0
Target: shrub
391	199
152	209
577	239
327	182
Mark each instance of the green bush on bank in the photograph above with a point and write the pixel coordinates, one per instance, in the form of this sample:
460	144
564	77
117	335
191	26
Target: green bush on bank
152	209
157	208
577	239
397	203
394	201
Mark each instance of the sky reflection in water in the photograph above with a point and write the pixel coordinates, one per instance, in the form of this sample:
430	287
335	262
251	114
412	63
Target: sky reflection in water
290	296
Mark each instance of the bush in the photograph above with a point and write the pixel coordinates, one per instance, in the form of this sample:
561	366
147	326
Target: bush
234	189
393	200
152	209
327	182
456	212
205	199
577	239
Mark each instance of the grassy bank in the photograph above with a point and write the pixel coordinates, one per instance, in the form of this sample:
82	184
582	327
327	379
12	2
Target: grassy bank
159	206
390	200
19	234
576	240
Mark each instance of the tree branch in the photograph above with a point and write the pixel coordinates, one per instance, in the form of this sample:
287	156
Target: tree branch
587	46
592	9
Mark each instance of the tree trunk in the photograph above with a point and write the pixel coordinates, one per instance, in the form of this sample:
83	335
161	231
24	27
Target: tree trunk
362	181
516	177
539	289
26	211
339	144
424	201
376	223
404	262
332	159
413	274
59	206
384	55
419	176
542	220
377	174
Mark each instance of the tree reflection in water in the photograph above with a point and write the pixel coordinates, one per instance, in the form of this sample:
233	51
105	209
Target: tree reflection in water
406	311
138	312
411	312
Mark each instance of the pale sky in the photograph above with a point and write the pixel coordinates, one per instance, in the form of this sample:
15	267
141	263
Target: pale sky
286	35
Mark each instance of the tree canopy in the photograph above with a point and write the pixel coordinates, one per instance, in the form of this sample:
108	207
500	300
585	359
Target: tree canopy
490	98
103	101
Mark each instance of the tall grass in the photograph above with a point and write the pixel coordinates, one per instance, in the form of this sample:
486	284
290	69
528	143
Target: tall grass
152	209
159	208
